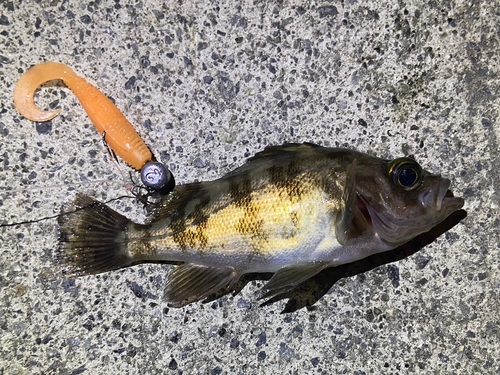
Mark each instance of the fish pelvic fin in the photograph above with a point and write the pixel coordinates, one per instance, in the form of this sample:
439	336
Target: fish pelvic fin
190	283
92	238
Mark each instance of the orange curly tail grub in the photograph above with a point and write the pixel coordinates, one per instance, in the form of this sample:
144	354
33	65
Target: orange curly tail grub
120	134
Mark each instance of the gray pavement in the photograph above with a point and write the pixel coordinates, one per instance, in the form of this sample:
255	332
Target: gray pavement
208	84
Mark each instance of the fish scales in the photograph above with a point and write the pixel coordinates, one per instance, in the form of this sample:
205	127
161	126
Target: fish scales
273	221
293	210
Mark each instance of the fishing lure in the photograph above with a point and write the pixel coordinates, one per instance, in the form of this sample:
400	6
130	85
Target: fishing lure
117	131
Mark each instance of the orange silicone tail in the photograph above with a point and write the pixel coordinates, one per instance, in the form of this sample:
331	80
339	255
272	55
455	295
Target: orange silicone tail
120	134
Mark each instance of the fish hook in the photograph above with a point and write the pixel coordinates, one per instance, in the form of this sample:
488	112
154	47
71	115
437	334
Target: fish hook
120	135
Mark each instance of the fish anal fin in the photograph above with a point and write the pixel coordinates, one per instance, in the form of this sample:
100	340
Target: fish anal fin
288	277
190	282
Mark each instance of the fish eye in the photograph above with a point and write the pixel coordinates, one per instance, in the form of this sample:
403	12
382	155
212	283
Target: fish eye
406	173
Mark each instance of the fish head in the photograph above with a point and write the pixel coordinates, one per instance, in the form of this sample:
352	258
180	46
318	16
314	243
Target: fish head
400	199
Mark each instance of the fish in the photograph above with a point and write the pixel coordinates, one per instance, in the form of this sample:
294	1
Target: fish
292	210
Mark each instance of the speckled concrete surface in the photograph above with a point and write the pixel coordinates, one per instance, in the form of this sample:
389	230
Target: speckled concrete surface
207	85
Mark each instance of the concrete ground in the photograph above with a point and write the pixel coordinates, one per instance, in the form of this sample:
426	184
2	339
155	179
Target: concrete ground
208	84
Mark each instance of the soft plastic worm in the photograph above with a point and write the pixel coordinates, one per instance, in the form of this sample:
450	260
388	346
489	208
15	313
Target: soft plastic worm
120	134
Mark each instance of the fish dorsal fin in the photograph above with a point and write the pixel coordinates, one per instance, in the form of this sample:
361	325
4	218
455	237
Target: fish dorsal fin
294	158
190	282
288	277
348	205
284	149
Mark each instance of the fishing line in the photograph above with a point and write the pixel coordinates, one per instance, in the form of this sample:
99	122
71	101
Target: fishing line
5	189
2	225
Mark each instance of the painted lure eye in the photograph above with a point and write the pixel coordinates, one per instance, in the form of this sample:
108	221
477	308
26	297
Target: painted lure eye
406	173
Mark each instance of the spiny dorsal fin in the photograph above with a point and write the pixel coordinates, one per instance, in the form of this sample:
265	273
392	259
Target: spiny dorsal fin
284	149
301	156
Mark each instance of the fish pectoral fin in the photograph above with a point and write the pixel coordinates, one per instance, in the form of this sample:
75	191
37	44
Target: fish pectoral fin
288	277
190	282
348	202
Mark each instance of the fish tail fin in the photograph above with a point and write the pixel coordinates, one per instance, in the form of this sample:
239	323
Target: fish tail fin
92	238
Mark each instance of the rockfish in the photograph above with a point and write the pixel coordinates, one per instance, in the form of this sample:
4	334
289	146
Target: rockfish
293	210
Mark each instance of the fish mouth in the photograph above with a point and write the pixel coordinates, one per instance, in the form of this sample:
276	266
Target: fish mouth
451	203
438	202
440	198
